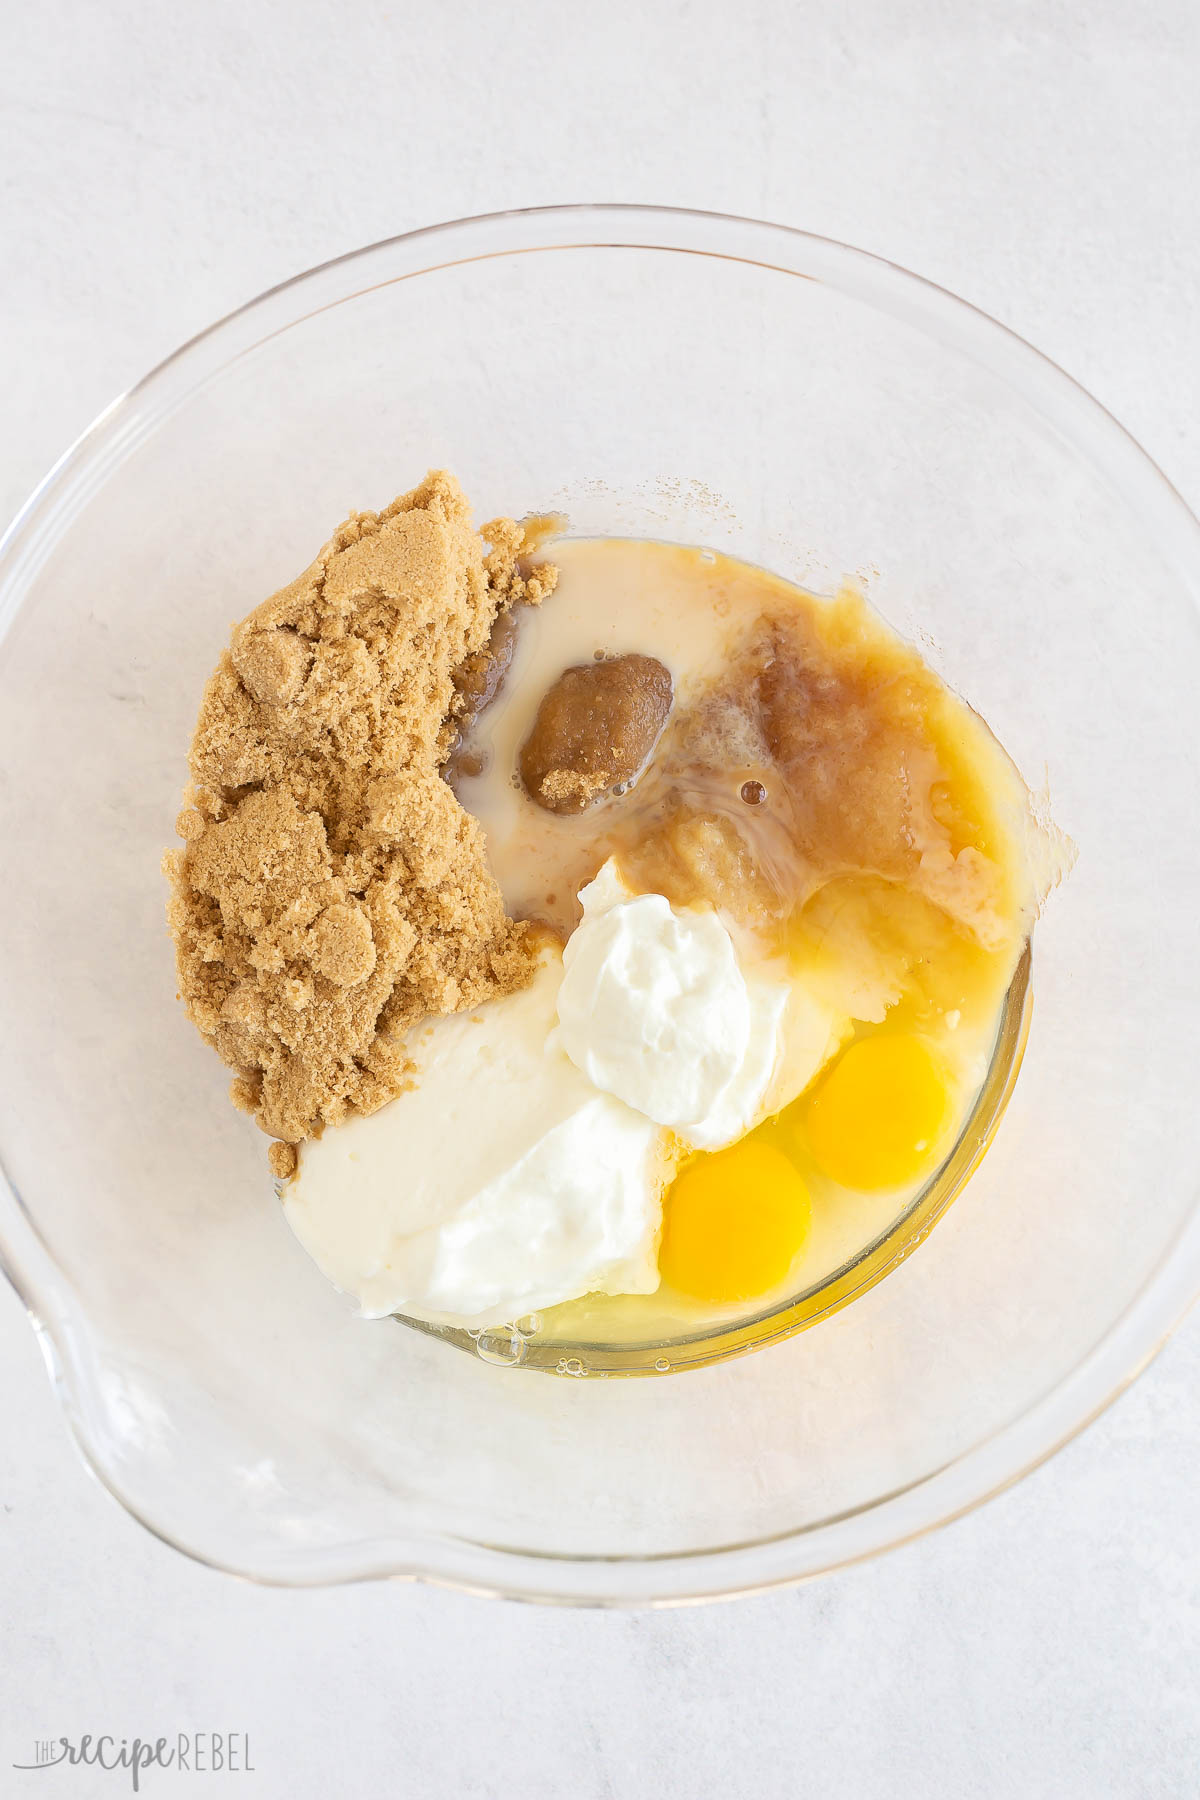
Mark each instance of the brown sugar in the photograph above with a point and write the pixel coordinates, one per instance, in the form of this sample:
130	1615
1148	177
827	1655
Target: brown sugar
594	730
331	891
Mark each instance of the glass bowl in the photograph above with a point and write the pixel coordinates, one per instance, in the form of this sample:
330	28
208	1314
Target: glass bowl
650	373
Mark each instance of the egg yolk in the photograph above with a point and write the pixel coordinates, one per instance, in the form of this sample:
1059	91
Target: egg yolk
733	1222
881	1113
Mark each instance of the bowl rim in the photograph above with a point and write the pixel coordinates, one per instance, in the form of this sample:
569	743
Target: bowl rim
1068	1405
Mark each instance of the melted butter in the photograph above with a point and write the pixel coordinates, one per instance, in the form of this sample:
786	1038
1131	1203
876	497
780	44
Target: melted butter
681	605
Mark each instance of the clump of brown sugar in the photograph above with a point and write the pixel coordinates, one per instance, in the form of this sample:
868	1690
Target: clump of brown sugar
331	891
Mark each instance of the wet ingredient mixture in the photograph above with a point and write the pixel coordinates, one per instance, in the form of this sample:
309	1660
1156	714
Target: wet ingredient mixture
863	838
608	931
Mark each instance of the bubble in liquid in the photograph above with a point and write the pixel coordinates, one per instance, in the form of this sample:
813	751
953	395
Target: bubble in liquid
662	1365
753	793
571	1365
501	1344
530	1325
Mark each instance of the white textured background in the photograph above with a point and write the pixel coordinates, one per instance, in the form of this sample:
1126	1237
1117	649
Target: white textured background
161	162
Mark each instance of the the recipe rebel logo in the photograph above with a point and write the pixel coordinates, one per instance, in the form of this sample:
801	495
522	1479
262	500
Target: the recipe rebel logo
192	1753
